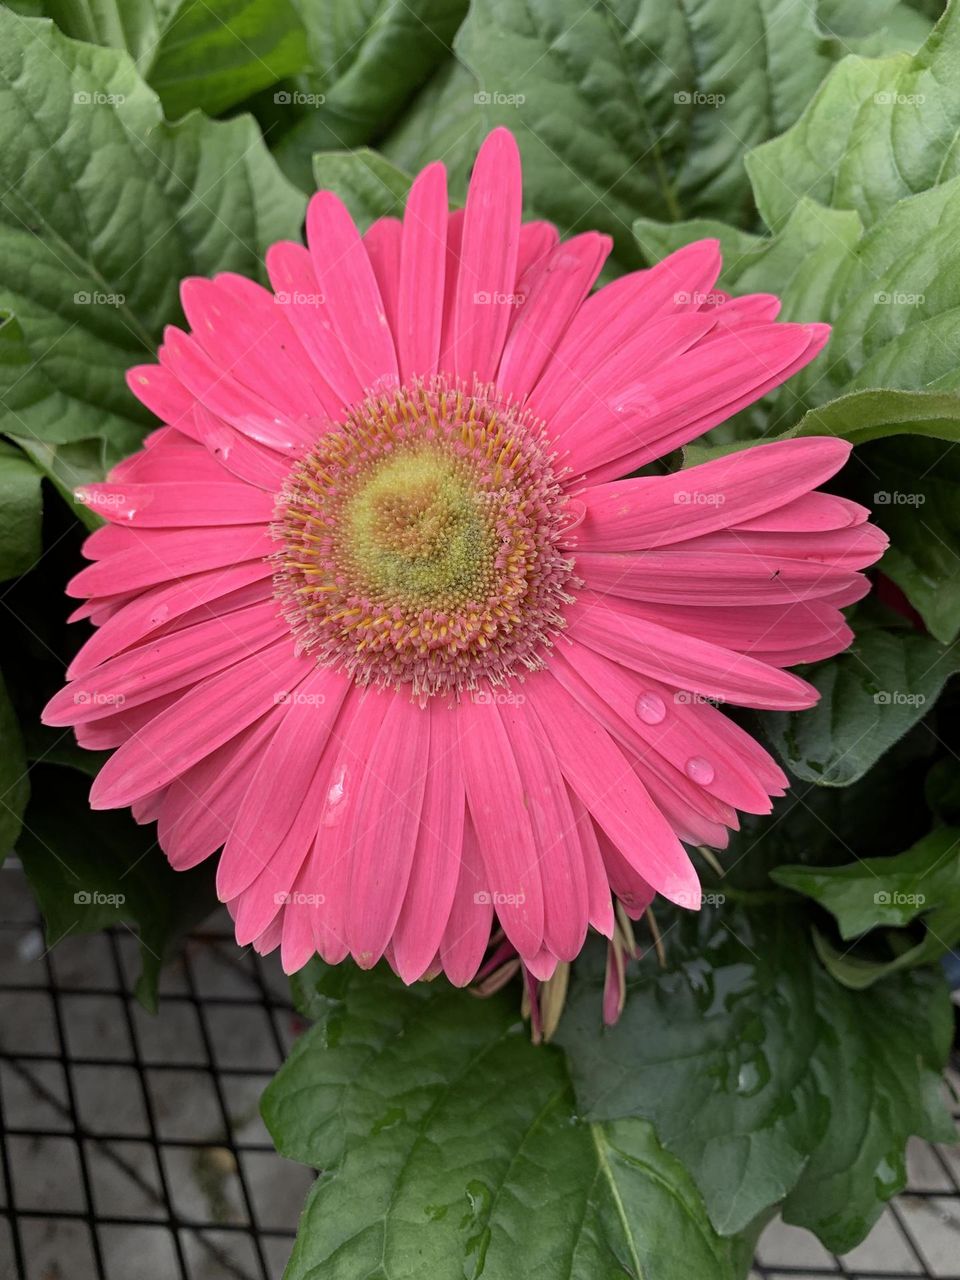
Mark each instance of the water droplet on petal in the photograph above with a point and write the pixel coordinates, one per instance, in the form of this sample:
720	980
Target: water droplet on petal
650	708
160	615
700	770
333	809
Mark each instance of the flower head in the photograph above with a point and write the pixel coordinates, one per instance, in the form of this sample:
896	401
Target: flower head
377	615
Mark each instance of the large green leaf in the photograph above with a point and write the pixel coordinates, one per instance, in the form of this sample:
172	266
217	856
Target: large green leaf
368	57
89	870
21	511
194	54
630	107
878	130
870	696
106	209
442	1134
732	1054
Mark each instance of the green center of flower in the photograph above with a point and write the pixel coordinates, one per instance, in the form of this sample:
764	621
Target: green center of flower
418	529
420	542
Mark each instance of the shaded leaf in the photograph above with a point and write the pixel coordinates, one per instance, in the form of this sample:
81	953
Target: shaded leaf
733	1055
441	1133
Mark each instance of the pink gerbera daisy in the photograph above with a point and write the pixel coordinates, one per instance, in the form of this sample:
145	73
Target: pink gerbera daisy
376	614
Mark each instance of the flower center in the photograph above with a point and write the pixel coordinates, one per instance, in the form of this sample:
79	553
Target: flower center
420	541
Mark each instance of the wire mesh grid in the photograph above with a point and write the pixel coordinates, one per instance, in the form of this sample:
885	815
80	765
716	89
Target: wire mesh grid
131	1146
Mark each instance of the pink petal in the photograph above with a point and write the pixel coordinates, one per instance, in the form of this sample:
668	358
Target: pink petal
656	510
488	260
158	557
601	776
282	794
390	799
197	724
687	663
352	299
179	504
557	292
423	256
565	895
382	243
156	608
299	292
436	862
467	933
508	847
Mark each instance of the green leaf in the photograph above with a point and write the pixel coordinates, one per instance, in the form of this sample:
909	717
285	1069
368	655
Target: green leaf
882	892
368	58
106	209
91	869
732	1054
879	1061
870	696
913	487
14	783
370	186
877	131
195	55
627	107
21	512
442	123
442	1133
887	893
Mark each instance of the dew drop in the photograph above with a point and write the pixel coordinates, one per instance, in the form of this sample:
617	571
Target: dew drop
700	770
335	805
651	710
160	615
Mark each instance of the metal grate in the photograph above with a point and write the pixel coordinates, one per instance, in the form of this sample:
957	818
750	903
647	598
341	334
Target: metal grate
132	1146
